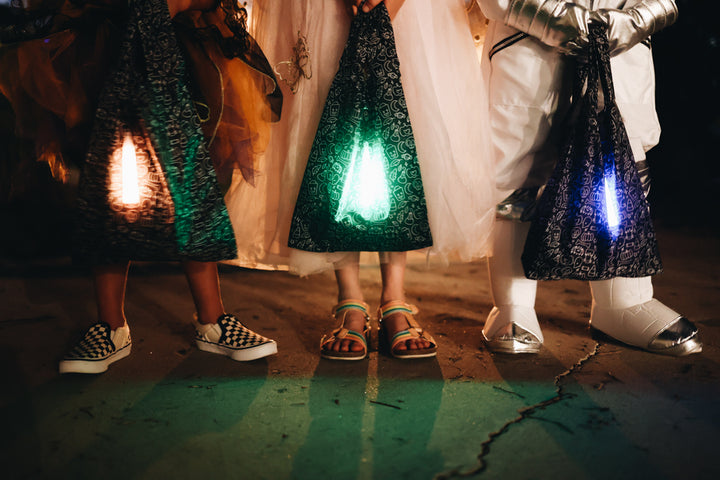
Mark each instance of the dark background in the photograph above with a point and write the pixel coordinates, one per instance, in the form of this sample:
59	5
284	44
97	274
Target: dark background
36	211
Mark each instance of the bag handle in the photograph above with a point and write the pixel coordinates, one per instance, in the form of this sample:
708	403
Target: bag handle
600	51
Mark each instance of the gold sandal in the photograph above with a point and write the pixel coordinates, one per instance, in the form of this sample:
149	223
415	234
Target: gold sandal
413	331
339	313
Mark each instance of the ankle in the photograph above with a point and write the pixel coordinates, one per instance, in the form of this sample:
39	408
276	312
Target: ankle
389	299
208	318
114	322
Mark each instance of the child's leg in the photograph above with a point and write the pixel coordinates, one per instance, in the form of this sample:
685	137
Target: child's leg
217	331
108	340
392	267
625	309
348	281
204	284
110	283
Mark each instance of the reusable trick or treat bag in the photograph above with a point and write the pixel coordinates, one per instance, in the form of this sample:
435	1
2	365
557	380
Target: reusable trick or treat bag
362	189
592	220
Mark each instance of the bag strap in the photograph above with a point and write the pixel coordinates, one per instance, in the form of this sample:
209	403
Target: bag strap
600	51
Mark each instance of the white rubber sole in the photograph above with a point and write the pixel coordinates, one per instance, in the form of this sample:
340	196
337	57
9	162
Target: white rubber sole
240	354
415	356
93	366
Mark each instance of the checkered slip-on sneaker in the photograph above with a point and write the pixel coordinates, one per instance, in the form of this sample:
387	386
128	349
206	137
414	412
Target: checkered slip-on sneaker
231	338
97	349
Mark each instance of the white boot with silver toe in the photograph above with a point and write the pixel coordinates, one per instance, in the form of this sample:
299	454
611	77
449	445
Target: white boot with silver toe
624	309
512	326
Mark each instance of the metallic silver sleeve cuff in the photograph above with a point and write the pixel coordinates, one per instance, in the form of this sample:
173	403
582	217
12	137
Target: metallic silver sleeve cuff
532	16
556	23
652	16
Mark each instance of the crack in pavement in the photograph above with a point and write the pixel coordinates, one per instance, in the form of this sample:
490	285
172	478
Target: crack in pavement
525	412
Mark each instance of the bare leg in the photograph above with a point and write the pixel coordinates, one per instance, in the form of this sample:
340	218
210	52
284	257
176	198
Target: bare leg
204	284
110	281
348	280
392	268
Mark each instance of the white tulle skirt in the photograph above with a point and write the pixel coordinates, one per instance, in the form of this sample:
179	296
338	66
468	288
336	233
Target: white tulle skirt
447	103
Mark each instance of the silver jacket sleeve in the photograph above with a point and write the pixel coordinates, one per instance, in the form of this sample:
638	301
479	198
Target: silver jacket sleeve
628	27
556	23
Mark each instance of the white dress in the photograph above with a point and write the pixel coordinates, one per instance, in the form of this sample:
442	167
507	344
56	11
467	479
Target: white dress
447	104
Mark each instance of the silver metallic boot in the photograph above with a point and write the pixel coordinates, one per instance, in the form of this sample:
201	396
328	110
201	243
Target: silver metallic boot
624	309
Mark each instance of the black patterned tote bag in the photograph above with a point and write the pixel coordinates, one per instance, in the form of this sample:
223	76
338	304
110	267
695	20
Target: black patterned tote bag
592	220
148	189
362	190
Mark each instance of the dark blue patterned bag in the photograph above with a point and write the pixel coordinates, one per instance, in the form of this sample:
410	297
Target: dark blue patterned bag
362	189
592	220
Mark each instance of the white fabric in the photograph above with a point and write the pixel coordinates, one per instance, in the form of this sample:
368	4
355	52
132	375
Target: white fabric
447	104
625	309
261	215
527	82
513	294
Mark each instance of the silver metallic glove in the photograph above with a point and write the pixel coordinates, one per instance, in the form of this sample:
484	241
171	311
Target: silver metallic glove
628	27
560	24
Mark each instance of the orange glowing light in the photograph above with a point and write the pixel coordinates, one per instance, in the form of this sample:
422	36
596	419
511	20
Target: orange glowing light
129	181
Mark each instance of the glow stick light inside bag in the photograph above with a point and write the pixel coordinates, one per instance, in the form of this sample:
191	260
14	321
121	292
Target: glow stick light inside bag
365	191
612	208
130	188
124	187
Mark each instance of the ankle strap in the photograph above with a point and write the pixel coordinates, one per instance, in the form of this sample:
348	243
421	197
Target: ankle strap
351	304
396	306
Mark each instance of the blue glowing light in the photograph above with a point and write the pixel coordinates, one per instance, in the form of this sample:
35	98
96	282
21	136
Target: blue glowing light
365	192
612	208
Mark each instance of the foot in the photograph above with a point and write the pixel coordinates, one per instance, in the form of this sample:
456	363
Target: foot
512	329
349	340
405	338
652	326
99	347
231	338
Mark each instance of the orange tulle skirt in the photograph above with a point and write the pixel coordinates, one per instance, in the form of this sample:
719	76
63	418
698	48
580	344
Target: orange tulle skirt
53	82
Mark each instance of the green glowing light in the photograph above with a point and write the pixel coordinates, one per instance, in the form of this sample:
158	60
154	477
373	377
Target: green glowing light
365	192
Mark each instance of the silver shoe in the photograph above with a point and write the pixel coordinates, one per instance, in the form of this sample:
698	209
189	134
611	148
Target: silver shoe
651	326
679	339
520	341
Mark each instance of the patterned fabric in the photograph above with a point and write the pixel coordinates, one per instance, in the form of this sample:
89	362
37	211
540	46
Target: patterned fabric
581	229
180	211
365	118
95	345
235	335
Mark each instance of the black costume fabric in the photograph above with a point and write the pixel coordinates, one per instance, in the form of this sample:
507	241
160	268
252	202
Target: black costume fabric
364	121
581	229
179	211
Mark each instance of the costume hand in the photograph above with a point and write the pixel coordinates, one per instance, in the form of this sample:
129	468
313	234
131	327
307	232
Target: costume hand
559	24
392	6
627	28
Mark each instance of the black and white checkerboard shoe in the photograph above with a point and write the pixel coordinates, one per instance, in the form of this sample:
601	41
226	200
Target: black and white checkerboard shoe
231	338
100	347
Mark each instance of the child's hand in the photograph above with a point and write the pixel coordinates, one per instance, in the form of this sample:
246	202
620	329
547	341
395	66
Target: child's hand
392	6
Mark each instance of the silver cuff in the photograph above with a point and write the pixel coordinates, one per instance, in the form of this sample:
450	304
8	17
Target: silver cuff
557	23
653	15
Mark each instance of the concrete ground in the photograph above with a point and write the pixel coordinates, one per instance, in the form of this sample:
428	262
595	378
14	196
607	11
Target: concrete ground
579	409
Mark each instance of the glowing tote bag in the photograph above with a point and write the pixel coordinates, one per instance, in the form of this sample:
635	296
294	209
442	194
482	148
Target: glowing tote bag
592	220
148	190
362	190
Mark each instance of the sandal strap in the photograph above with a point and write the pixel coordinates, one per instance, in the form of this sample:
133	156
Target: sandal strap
351	304
398	306
341	332
414	329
